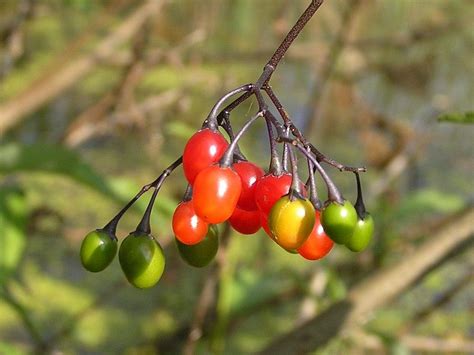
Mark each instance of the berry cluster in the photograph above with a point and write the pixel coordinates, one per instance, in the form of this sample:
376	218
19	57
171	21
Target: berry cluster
223	186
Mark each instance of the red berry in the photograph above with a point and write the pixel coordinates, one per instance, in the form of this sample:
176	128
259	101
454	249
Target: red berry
188	227
318	244
264	224
203	149
215	193
270	188
249	174
245	222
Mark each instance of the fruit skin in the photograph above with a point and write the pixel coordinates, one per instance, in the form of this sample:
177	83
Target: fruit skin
291	221
267	192
318	244
362	235
202	253
250	174
98	249
339	221
188	227
202	150
215	193
245	222
142	260
269	189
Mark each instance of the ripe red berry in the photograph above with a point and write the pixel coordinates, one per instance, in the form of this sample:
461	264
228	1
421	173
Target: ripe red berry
318	244
249	174
215	193
202	150
245	222
269	189
188	227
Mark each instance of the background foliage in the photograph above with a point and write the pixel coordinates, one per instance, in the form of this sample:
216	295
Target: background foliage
378	83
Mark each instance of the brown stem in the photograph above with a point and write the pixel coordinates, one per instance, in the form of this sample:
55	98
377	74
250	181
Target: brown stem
295	190
333	193
275	163
211	120
299	136
228	156
111	227
286	43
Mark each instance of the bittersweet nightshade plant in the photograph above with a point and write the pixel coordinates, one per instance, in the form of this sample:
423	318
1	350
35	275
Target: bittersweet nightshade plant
225	187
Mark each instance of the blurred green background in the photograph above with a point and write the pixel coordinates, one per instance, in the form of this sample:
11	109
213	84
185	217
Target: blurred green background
98	97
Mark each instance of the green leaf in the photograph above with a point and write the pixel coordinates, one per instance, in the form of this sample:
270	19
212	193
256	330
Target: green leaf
13	217
54	159
466	117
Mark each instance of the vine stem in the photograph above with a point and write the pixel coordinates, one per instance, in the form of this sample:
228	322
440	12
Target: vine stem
227	158
211	120
299	136
286	43
111	227
144	225
359	204
295	190
333	193
313	195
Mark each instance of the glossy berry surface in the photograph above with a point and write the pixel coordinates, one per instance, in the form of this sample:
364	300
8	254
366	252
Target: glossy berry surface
188	227
269	189
318	244
291	222
202	253
202	150
249	174
362	235
245	222
215	193
339	221
142	260
98	249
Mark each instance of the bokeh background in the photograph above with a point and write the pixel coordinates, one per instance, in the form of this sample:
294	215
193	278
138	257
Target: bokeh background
98	97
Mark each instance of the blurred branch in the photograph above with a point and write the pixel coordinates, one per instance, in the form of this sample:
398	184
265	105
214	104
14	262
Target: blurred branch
207	301
30	100
87	129
317	284
204	303
421	343
440	300
329	65
12	35
409	38
131	74
95	121
376	291
416	343
156	55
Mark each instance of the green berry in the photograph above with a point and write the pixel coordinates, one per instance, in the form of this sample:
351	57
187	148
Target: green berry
202	253
98	249
339	221
362	235
142	260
